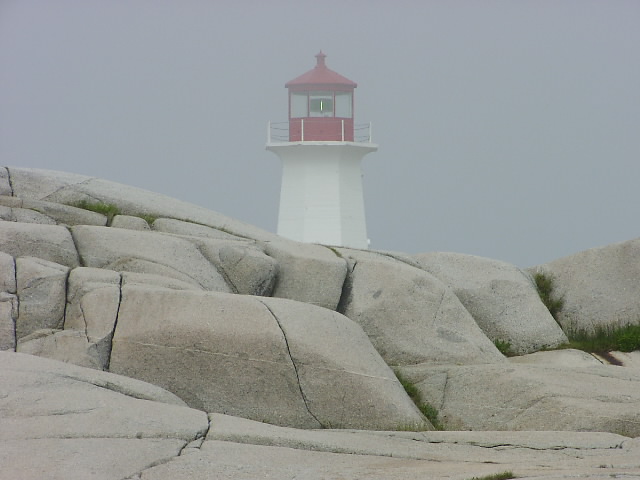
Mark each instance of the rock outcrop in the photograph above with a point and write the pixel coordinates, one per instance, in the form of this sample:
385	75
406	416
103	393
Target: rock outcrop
600	286
173	333
501	298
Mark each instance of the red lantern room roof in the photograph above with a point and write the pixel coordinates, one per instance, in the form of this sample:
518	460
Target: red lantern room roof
320	75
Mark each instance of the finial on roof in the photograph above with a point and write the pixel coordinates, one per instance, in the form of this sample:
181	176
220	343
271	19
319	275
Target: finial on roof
320	59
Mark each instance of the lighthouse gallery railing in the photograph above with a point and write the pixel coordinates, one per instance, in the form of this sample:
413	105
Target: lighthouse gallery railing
278	132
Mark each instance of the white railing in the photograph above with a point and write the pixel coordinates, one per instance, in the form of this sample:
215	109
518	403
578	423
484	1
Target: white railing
278	132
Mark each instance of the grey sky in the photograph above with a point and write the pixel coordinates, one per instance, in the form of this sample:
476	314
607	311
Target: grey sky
507	129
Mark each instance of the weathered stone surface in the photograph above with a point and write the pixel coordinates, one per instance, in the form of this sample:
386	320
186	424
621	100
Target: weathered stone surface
230	354
66	422
65	214
245	267
83	458
146	252
70	346
8	315
10	202
5	185
69	189
532	397
345	382
8	302
48	242
290	362
600	286
238	448
41	290
501	298
627	359
218	352
130	222
7	273
179	227
410	316
151	280
37	211
92	301
38	184
308	273
93	298
559	358
25	215
432	445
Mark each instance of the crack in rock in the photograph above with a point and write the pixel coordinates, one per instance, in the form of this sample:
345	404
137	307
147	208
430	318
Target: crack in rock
295	367
115	323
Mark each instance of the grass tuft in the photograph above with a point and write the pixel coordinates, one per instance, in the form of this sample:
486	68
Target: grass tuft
425	408
504	347
496	476
107	209
606	339
546	289
148	218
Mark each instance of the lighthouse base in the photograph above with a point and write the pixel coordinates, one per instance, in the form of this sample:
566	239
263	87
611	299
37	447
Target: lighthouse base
321	199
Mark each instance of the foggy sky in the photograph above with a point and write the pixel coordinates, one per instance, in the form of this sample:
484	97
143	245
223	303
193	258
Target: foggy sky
506	129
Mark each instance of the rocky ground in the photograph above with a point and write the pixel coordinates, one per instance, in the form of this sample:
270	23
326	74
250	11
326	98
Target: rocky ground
164	341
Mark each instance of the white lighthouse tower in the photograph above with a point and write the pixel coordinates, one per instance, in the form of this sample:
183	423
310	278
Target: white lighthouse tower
321	198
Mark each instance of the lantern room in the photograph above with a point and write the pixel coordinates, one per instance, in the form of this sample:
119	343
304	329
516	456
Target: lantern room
321	105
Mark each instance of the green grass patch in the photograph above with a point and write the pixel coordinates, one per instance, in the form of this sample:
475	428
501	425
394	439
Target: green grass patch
107	209
546	290
496	476
504	347
147	218
425	408
606	339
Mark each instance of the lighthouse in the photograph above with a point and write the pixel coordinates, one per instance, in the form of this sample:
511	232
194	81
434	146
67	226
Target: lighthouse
321	151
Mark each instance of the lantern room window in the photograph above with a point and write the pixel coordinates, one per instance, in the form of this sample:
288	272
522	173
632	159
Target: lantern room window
321	104
299	105
344	104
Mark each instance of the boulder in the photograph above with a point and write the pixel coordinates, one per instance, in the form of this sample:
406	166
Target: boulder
41	291
600	286
146	252
502	299
219	353
271	360
410	316
532	397
130	222
60	421
345	382
47	242
244	266
70	346
93	300
308	273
